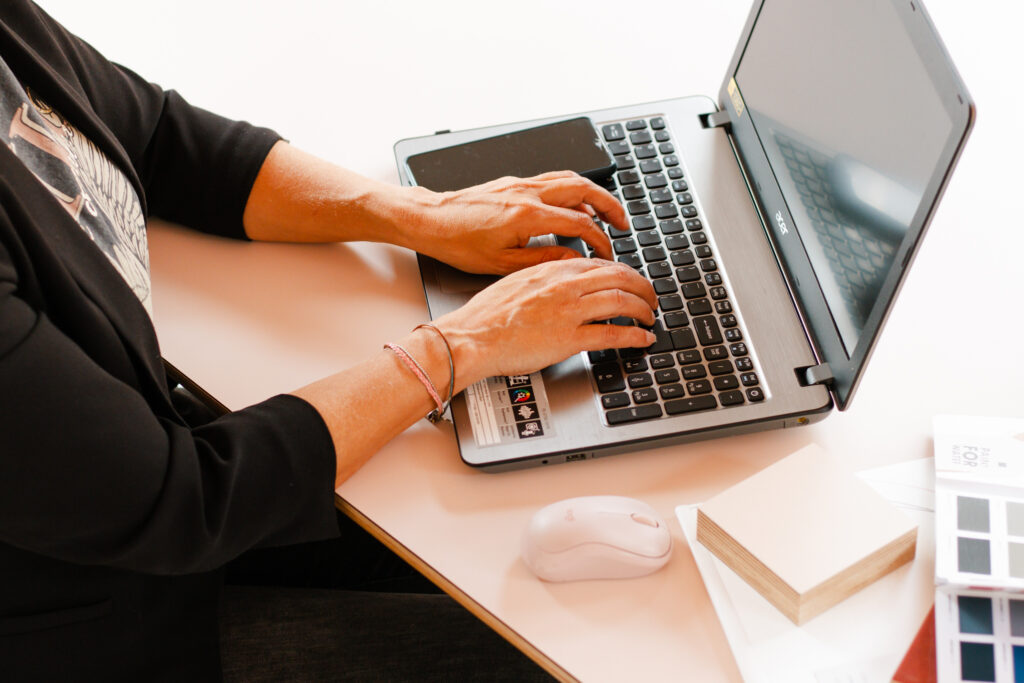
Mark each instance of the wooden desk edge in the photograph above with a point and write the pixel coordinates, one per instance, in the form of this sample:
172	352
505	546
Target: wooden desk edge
451	589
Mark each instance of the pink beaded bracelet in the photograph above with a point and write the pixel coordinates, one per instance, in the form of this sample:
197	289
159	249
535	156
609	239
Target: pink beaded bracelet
417	370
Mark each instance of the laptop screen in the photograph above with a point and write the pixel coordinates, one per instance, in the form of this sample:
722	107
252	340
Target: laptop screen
854	127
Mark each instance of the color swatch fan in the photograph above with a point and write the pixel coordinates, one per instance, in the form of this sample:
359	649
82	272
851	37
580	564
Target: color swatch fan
979	548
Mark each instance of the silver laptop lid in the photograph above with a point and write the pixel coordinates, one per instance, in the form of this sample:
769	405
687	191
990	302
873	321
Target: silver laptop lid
848	118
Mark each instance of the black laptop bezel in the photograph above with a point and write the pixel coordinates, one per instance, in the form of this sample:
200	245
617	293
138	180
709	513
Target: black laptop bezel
845	369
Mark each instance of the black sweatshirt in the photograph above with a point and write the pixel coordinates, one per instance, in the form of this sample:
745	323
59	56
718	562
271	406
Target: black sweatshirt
114	515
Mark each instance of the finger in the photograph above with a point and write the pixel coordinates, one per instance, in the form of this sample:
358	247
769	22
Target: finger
573	223
596	337
517	259
612	303
616	276
570	192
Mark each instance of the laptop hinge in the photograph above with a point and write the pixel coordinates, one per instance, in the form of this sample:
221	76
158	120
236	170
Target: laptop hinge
718	119
815	374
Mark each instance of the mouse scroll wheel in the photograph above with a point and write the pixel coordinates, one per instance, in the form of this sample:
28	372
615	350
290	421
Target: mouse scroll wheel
644	519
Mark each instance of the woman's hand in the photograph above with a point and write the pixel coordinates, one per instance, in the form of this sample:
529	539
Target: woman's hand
486	228
543	314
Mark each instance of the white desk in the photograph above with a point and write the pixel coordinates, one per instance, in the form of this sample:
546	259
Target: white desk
346	80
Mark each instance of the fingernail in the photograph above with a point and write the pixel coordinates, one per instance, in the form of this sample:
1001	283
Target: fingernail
651	338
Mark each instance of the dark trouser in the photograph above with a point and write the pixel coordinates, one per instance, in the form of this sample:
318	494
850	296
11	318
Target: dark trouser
349	609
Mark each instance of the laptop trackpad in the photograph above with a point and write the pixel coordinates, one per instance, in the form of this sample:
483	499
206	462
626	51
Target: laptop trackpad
454	281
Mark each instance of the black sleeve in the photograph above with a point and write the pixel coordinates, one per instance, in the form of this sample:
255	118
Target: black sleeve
196	168
89	474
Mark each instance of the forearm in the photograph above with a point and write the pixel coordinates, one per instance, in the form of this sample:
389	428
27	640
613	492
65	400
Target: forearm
298	197
367	405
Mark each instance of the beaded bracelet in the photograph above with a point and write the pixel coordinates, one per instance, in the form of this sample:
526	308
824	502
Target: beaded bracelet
437	414
421	375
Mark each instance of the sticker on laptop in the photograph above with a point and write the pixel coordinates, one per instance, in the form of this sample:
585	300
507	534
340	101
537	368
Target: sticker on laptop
508	409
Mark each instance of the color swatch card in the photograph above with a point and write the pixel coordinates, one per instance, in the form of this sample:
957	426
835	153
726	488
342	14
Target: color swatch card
979	502
979	548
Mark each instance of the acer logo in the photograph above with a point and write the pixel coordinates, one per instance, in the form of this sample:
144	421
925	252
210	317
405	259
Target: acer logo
781	223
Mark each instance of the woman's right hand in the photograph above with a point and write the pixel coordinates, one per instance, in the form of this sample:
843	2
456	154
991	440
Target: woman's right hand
541	315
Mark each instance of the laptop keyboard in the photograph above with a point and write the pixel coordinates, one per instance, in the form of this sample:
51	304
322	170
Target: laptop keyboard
701	360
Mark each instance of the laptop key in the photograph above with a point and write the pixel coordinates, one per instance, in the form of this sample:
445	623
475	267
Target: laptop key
660	196
665	285
676	319
691	372
636	124
698	306
658	122
642	222
697	387
694	290
689	405
645	152
633	192
627	177
687	274
648	238
720	367
613	132
682	338
660	269
625	245
618	400
726	382
744	364
639	380
670	302
688	357
604	356
683	257
675	241
707	330
670	391
637	207
645	395
714	353
650	166
666	210
634	365
653	182
672	227
619	147
654	254
662	361
647	411
608	377
661	136
667	376
640	137
631	260
731	398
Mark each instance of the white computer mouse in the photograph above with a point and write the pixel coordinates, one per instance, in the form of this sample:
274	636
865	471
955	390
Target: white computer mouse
596	537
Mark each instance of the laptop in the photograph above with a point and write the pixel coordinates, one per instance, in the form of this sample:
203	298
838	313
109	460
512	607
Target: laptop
776	224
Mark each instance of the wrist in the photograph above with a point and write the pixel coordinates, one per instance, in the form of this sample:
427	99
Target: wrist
406	213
